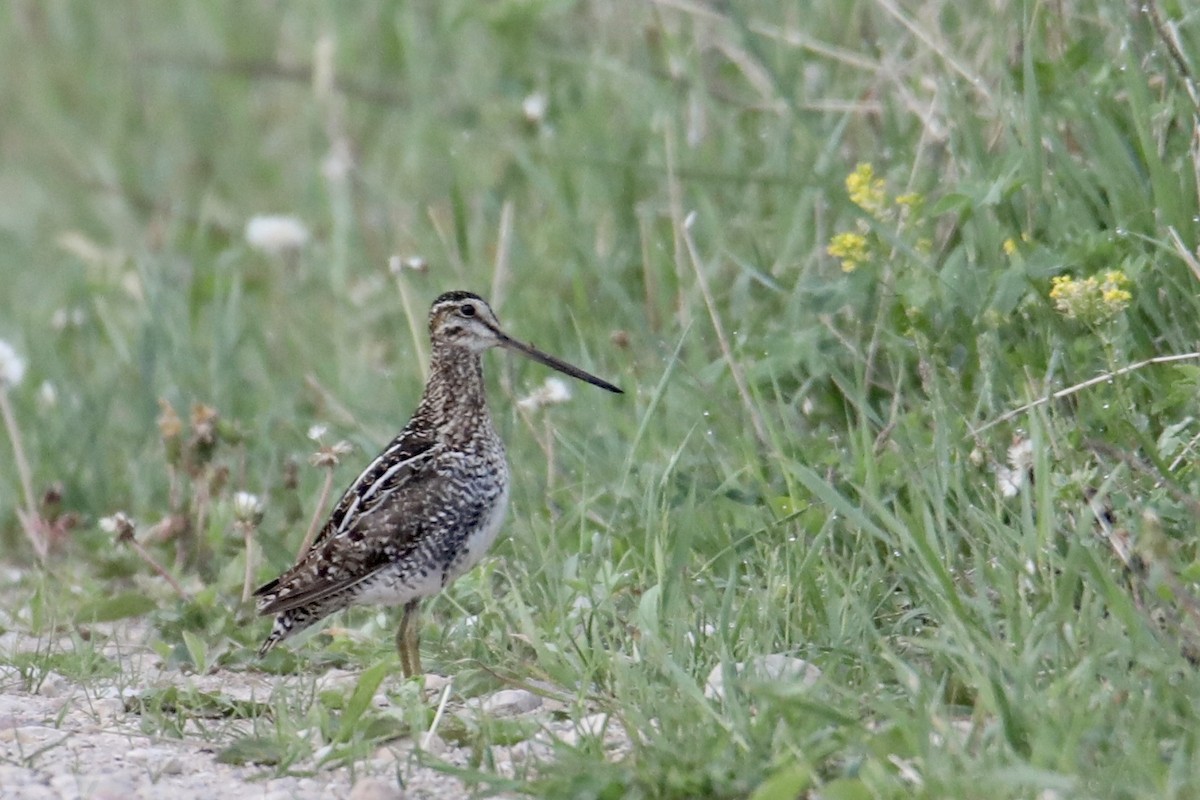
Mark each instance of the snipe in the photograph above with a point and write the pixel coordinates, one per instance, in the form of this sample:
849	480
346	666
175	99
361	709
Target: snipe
428	507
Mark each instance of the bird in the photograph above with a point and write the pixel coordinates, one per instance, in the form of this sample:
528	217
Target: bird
428	507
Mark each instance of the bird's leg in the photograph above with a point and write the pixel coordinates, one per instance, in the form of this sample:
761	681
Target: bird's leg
408	639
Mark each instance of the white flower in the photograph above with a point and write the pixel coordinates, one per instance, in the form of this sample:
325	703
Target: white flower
1020	459
556	391
12	366
64	318
1009	481
47	395
552	392
276	233
247	508
119	523
534	107
338	161
317	432
396	264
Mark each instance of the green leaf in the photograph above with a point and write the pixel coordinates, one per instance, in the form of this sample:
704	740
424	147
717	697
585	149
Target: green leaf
195	703
252	750
952	203
360	699
845	789
787	783
647	613
198	650
123	606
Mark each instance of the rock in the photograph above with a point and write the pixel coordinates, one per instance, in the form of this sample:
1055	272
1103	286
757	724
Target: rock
530	750
773	667
595	726
108	710
510	702
432	743
434	683
10	676
53	685
375	789
13	777
92	787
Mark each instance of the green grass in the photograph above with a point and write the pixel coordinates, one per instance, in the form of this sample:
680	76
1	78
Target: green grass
799	464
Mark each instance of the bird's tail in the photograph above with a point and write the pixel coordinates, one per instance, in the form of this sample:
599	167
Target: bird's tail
287	624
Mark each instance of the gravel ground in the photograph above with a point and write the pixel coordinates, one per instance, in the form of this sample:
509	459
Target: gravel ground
59	739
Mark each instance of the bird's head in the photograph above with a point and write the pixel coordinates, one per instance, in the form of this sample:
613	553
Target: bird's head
463	319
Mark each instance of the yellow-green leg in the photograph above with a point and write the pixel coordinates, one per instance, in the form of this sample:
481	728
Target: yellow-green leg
408	639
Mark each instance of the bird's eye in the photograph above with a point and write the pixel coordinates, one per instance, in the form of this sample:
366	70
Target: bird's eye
467	310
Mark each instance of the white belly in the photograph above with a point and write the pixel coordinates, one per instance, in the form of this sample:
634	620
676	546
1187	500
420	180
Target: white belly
481	541
393	586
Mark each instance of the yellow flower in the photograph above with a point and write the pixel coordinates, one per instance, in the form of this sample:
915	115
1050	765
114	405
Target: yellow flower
1115	296
1091	300
865	190
1010	246
1116	278
1116	299
911	200
851	248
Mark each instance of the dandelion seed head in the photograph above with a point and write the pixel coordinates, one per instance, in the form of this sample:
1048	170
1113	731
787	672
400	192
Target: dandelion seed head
47	395
398	264
329	456
247	508
275	234
556	391
552	392
534	107
119	523
12	366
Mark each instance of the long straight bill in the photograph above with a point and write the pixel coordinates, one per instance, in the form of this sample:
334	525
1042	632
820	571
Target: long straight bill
556	363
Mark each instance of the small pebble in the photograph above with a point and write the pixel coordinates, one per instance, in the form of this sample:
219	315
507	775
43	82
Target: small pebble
432	743
510	702
375	789
773	667
435	683
53	685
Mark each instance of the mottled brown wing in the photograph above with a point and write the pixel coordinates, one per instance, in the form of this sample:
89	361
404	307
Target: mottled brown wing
404	456
380	517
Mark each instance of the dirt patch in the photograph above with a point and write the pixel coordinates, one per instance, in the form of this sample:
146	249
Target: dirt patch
61	738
